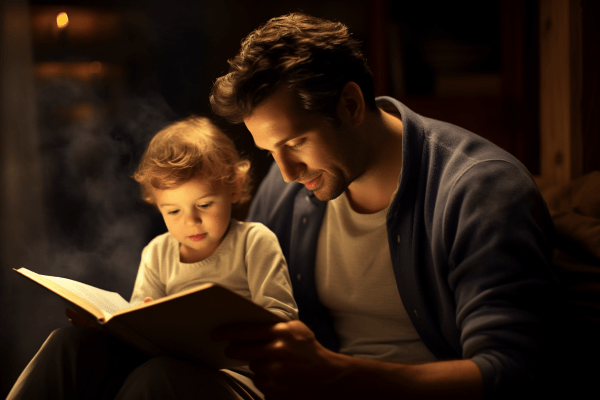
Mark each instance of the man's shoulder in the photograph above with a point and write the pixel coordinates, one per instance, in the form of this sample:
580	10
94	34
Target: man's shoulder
441	138
443	158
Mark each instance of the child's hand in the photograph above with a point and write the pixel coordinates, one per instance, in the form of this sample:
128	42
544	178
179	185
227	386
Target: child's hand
80	320
148	299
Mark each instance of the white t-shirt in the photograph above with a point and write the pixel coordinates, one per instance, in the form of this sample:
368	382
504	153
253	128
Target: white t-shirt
249	261
355	281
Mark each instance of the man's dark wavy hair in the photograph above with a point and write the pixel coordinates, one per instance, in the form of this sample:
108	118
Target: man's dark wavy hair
313	57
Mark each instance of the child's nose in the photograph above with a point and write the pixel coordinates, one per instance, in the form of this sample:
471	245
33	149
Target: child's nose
193	219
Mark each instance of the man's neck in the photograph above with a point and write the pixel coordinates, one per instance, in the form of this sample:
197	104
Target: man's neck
372	191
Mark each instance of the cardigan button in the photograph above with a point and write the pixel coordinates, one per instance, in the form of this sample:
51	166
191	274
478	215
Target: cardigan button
304	220
398	238
299	277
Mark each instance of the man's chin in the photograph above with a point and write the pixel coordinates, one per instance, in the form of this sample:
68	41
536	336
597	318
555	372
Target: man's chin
325	195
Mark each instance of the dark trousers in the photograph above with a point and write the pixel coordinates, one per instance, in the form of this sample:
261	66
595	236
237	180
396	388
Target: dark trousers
87	363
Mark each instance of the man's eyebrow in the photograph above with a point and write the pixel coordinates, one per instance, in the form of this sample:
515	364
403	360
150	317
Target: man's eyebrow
281	142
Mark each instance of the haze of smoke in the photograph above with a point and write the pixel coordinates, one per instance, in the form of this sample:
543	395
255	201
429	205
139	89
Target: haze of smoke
99	223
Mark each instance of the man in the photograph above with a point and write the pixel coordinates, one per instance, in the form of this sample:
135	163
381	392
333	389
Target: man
419	252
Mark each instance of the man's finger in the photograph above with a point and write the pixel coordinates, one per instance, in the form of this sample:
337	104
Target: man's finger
244	332
78	319
254	350
268	368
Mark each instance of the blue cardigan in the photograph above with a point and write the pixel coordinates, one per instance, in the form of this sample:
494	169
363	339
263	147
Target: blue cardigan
470	241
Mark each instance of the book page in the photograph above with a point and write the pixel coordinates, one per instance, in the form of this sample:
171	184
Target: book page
110	302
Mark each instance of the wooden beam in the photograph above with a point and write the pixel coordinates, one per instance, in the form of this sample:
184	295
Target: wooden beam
590	88
560	91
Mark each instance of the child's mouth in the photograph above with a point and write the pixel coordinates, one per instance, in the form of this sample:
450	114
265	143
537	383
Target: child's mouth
197	238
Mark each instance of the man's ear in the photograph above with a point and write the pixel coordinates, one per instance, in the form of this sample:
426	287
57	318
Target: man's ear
352	104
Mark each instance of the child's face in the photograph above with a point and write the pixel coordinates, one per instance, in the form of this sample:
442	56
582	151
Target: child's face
197	214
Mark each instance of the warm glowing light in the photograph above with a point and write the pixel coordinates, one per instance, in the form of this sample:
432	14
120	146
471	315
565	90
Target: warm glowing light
95	67
62	20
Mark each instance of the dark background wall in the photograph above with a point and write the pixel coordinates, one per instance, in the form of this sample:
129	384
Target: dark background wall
78	105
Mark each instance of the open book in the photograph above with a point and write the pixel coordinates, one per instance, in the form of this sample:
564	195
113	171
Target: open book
178	325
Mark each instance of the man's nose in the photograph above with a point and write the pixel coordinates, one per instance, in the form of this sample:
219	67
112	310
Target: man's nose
290	167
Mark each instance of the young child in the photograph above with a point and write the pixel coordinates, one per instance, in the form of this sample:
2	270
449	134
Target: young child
193	174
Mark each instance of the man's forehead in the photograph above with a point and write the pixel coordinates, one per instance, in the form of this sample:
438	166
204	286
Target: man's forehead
270	136
275	119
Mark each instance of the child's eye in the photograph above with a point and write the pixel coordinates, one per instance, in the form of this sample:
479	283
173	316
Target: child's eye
205	205
173	212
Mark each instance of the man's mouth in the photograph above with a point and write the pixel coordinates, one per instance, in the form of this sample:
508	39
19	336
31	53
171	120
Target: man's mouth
199	237
312	185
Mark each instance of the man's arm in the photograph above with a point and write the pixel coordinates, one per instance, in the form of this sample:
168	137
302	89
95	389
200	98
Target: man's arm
290	363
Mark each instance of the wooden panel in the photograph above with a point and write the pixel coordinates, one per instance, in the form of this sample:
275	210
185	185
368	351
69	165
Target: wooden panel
22	227
590	129
560	90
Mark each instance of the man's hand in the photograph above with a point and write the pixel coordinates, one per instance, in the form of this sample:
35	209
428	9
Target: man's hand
289	363
286	358
79	319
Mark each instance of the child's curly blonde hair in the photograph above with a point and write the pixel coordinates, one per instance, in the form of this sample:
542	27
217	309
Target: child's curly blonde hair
188	149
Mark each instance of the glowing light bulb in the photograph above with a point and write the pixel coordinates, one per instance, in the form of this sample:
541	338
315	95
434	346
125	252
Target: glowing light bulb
62	20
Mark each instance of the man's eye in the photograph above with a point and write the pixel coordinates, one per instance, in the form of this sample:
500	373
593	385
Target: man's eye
297	144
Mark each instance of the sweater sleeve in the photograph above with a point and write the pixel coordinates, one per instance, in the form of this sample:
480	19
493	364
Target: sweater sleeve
268	276
495	233
148	282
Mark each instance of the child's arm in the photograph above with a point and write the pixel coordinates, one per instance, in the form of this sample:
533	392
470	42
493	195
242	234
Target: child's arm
148	283
268	276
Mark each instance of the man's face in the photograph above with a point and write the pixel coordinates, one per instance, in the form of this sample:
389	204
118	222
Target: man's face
306	148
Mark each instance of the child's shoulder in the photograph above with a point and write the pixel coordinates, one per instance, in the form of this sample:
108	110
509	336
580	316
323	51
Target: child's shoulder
162	238
249	229
161	244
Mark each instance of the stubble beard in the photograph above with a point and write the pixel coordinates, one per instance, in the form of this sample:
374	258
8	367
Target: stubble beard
336	185
330	185
350	165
